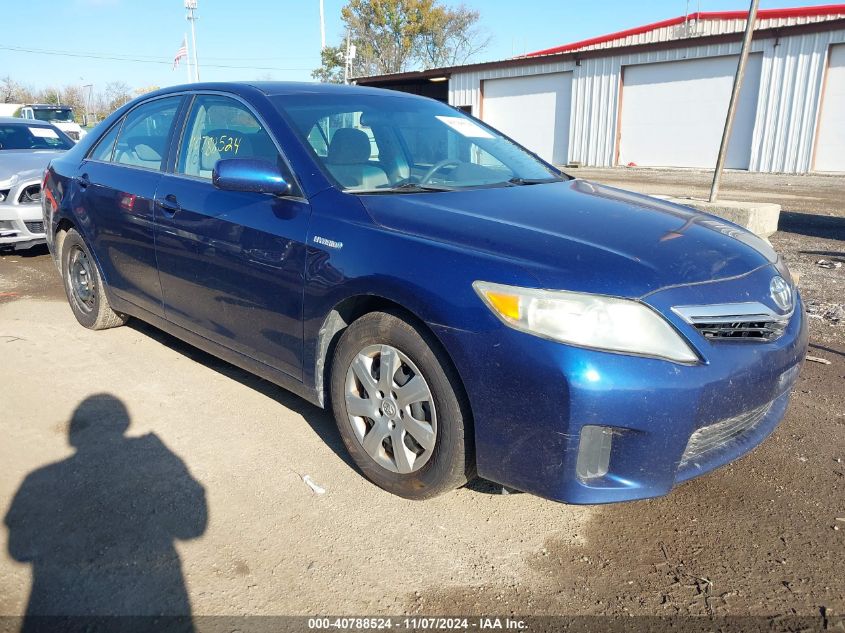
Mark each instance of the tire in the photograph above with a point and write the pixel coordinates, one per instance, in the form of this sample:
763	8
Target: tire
431	418
84	286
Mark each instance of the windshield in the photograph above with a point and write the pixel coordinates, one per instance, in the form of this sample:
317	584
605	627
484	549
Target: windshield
51	114
385	144
22	136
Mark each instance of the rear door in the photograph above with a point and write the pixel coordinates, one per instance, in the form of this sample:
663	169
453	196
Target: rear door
232	263
118	180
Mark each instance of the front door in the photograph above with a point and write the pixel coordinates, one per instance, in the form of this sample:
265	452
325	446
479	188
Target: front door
231	263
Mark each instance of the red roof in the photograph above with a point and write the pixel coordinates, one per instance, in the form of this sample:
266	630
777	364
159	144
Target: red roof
794	12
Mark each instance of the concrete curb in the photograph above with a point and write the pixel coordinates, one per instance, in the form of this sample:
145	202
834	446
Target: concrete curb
758	217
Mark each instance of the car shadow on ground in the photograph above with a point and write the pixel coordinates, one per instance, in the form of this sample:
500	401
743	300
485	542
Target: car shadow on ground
35	251
320	420
99	528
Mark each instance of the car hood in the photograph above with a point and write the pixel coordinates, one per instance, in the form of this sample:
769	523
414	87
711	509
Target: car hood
581	236
24	163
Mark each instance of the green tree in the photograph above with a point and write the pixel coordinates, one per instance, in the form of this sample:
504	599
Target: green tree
392	36
331	71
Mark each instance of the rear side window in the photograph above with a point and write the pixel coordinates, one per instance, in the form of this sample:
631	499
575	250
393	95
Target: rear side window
104	148
221	128
23	136
143	139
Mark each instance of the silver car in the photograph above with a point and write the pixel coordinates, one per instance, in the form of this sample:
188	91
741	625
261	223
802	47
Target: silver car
26	148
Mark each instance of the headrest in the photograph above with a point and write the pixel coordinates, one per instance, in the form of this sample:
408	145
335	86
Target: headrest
349	146
146	153
209	155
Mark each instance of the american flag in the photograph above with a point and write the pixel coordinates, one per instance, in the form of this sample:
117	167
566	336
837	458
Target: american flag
182	52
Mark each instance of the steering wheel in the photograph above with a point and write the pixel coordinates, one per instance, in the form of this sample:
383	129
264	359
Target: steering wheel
437	167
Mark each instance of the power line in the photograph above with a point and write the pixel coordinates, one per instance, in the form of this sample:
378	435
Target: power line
139	60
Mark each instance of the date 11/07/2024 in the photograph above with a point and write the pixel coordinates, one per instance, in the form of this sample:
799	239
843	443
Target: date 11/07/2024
417	623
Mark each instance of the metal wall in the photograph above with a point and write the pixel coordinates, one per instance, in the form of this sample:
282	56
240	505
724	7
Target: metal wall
787	111
699	28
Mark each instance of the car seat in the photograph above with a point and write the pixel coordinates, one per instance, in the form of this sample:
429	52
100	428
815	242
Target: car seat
348	161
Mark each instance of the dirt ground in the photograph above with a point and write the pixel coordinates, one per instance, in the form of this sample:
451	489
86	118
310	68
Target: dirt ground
201	500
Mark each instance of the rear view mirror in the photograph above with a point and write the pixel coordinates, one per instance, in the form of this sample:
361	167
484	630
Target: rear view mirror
249	174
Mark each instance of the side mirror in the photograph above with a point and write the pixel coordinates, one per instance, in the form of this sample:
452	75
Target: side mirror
249	174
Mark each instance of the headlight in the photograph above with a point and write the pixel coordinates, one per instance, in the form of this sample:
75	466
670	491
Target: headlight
587	320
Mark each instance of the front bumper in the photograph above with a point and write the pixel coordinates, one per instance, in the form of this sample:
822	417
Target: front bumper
534	397
21	225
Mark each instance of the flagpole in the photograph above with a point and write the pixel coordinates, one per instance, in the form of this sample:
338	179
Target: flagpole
322	26
188	60
191	6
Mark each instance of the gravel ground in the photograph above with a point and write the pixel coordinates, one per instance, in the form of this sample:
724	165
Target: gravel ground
231	527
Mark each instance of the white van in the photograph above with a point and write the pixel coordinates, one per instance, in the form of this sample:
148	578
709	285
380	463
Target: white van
59	115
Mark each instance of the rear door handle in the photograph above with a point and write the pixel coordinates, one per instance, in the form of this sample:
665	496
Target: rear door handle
169	204
84	181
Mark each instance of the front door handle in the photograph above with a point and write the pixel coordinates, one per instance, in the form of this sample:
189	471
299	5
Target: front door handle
84	181
169	204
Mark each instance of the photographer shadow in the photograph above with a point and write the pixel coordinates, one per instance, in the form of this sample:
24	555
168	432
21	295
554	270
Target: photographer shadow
99	527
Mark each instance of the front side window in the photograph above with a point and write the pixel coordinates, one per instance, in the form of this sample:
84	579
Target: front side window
143	138
221	128
386	144
23	136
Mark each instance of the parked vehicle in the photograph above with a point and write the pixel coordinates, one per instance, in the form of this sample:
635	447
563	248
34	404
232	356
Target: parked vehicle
59	115
26	148
462	306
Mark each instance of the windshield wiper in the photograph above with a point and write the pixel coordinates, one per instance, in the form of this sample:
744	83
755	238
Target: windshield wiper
408	187
517	181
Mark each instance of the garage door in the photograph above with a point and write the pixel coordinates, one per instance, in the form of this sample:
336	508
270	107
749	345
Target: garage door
673	113
534	111
830	146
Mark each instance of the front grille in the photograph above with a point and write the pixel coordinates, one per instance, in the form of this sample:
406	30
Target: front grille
714	436
766	330
34	227
751	321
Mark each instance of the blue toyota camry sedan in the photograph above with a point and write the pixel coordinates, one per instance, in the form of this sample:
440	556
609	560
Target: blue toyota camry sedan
463	307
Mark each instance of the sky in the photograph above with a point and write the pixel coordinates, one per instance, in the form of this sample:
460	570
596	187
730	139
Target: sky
270	39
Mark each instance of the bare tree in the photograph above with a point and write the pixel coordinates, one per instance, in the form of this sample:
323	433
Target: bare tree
12	91
9	89
456	38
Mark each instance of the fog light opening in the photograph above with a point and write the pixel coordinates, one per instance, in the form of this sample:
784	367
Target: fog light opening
594	452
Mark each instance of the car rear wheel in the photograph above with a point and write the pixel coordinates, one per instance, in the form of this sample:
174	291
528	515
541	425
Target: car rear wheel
400	408
84	286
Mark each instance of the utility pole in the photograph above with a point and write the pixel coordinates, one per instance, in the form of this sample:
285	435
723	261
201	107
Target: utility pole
322	26
87	89
191	6
729	121
346	61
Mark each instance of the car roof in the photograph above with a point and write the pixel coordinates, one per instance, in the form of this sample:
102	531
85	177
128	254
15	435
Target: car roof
276	88
28	122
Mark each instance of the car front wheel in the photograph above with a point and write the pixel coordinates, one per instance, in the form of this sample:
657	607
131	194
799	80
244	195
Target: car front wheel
400	408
